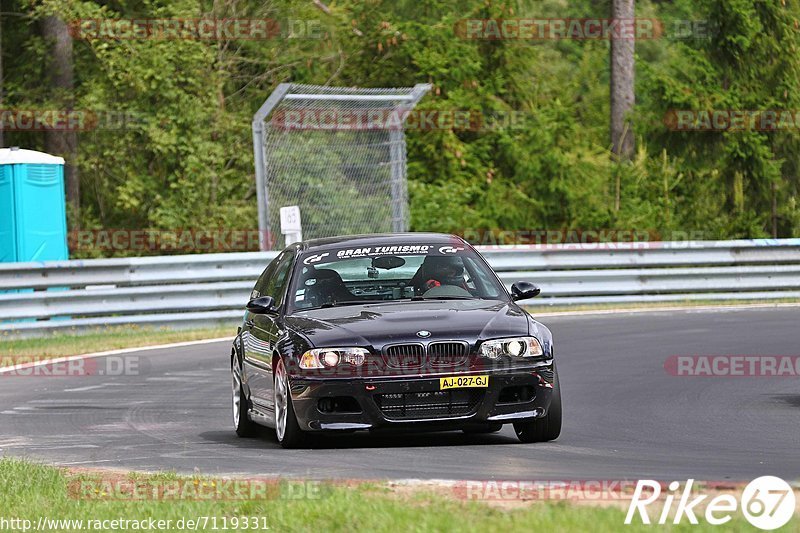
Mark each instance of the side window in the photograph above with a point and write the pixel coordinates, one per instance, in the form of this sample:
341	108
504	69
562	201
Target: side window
478	277
276	282
261	285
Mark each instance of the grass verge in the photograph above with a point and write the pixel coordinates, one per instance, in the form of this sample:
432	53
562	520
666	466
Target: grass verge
31	491
102	339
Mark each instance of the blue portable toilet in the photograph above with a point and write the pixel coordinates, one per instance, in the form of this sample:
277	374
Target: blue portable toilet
33	221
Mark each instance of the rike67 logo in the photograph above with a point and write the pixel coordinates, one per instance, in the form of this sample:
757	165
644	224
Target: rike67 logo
767	502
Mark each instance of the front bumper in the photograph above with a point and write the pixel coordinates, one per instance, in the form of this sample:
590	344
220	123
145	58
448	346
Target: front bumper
378	403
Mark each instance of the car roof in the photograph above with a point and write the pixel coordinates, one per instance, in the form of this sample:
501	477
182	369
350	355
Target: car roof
379	239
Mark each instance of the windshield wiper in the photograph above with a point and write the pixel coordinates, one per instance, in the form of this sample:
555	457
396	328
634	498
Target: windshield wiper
423	298
327	305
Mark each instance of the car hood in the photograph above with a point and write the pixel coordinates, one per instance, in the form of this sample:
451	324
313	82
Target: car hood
386	323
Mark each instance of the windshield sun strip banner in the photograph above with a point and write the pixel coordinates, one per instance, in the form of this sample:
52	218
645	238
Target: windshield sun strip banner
377	251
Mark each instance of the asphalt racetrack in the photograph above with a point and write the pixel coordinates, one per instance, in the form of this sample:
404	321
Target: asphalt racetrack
625	415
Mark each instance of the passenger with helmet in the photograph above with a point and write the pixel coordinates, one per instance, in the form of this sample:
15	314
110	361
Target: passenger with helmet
438	270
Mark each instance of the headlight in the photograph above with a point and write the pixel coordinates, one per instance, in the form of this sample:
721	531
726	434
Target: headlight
331	357
515	347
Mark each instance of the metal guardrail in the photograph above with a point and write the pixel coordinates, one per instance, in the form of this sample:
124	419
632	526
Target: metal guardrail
199	290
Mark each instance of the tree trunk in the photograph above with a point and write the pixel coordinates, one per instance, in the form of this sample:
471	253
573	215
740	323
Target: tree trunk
63	142
622	97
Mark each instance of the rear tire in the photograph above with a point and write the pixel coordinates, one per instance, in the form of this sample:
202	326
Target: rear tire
543	429
241	405
287	430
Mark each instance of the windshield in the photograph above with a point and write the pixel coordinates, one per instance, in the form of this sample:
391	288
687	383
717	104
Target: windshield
349	276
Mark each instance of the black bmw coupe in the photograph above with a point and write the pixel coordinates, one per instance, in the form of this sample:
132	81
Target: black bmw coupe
409	330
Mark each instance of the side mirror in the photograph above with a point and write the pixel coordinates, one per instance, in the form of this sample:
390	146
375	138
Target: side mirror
522	290
261	305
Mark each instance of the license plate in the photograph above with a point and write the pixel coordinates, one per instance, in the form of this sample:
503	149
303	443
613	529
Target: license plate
463	382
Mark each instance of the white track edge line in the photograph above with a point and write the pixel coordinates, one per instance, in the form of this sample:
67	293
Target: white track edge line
733	307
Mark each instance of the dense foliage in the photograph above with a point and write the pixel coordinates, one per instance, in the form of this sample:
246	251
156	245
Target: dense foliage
184	156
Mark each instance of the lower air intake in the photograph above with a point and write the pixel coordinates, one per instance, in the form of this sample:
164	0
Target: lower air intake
423	405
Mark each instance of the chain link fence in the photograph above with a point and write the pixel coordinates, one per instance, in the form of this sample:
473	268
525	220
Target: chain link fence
338	153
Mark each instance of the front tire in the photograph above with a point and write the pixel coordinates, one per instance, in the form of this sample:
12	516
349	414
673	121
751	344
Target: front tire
543	429
287	430
241	421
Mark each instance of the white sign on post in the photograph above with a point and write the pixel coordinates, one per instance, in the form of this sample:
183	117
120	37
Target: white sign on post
291	226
